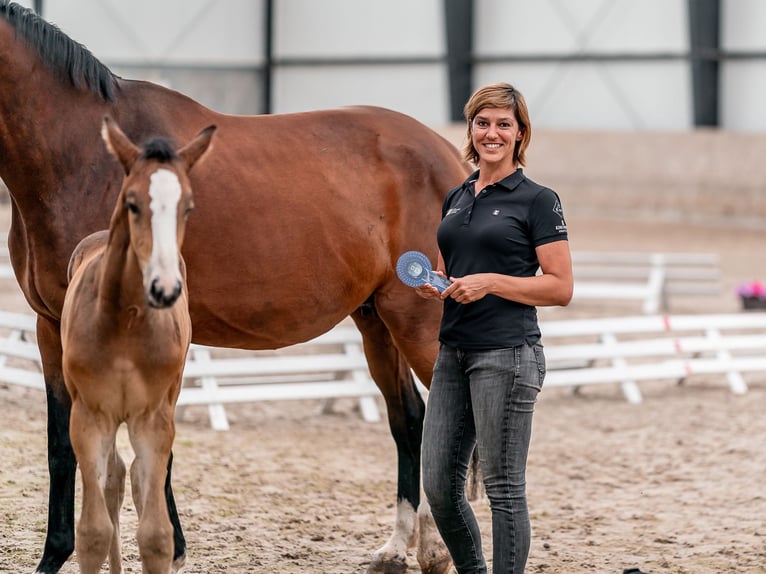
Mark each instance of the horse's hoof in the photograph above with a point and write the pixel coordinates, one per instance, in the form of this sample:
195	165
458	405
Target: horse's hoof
396	565
441	566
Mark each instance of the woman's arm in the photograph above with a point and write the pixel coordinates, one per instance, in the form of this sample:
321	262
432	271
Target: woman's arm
553	287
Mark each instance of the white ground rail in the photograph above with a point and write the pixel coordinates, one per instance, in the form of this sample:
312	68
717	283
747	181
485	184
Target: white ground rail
619	350
650	278
628	350
331	366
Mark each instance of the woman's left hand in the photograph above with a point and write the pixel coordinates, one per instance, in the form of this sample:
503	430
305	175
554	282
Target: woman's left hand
469	288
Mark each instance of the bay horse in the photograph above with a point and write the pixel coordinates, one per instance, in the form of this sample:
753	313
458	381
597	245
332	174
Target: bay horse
125	333
301	220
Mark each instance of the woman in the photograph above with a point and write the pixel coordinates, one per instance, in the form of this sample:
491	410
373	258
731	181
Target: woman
497	229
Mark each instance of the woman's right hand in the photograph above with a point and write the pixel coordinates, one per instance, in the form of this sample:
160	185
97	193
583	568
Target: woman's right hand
428	291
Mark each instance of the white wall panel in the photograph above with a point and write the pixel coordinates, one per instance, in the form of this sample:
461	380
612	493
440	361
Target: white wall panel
743	95
353	28
519	27
167	32
199	46
416	90
743	24
630	95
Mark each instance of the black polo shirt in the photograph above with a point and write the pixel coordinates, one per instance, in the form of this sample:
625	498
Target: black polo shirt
495	231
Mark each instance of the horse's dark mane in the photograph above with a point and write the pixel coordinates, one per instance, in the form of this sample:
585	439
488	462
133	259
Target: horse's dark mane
59	51
160	149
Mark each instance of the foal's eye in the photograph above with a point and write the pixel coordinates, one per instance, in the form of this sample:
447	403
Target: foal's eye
132	207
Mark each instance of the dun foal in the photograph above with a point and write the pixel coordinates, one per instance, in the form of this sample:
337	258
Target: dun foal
125	332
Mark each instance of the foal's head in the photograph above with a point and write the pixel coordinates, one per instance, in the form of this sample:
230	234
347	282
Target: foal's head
158	197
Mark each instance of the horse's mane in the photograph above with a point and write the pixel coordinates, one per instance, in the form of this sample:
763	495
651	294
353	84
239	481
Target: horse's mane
161	149
59	51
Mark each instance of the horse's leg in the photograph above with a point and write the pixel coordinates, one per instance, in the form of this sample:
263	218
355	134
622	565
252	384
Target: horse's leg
405	407
152	438
115	494
62	466
92	438
413	325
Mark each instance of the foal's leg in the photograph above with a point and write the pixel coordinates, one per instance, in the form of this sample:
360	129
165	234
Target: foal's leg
92	437
179	542
115	494
152	438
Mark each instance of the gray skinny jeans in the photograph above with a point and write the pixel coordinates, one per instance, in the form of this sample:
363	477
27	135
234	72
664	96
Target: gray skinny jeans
484	399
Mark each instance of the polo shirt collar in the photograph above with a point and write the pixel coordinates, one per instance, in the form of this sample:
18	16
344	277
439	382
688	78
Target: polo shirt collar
509	182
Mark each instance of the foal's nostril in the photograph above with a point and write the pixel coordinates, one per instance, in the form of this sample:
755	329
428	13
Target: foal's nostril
159	298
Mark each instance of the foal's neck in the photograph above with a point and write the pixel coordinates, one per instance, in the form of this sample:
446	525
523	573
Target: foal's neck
120	282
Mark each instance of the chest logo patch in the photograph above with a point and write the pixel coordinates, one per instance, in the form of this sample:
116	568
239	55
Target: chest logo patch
496	212
453	211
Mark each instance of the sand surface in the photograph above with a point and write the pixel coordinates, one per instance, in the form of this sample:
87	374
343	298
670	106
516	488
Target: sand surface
673	485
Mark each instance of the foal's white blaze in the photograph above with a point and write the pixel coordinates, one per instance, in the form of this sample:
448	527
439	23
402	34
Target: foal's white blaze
165	191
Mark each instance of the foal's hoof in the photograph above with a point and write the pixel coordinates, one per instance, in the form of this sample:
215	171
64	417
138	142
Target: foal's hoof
178	564
396	565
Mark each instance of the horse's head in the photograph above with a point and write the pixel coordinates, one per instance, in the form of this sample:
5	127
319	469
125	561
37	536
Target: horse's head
157	195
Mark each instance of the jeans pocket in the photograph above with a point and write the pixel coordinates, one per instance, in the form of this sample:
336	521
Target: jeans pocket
533	365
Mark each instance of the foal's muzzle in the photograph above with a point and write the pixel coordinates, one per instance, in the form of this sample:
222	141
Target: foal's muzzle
161	298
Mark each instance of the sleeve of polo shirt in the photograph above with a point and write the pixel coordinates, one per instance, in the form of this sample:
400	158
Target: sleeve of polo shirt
546	218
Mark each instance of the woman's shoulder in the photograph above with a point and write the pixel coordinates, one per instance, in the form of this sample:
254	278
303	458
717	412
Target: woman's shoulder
536	188
455	190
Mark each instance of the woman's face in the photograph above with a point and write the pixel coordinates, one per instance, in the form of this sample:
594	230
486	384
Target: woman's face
495	133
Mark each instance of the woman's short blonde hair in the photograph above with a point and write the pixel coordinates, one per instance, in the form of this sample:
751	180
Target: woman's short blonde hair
499	95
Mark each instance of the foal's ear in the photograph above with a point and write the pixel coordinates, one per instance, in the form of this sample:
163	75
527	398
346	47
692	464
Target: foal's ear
118	144
192	152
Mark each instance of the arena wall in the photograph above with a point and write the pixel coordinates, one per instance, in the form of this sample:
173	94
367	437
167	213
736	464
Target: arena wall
701	176
704	176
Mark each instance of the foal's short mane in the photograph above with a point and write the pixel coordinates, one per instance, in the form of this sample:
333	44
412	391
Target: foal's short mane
161	149
59	51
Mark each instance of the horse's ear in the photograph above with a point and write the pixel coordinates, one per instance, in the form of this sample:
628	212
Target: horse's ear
118	144
192	152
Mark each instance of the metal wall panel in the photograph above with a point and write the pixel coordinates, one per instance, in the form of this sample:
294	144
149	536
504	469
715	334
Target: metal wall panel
743	80
171	32
357	29
521	27
590	64
561	55
743	25
349	39
417	90
743	93
602	96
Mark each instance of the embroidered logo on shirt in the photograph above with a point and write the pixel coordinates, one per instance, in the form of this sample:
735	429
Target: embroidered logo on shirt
496	212
453	211
557	209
